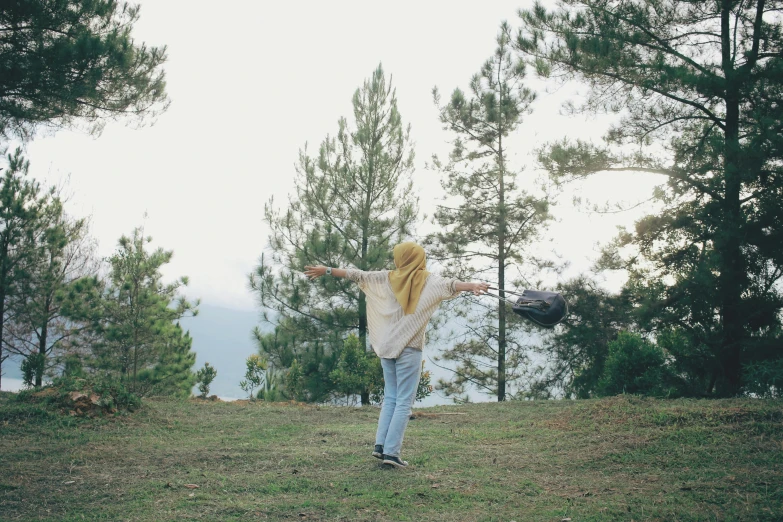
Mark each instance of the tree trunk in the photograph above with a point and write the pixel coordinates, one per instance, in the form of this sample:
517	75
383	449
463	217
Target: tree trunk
365	393
501	331
42	351
727	241
501	272
2	316
730	265
711	385
501	250
3	281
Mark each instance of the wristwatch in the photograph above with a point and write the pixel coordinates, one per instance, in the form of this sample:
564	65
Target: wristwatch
328	270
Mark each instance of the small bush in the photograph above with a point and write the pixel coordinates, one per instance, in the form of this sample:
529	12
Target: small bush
764	378
204	378
357	370
294	381
271	391
254	376
115	396
635	365
33	368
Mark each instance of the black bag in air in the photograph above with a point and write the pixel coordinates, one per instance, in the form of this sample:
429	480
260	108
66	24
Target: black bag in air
543	308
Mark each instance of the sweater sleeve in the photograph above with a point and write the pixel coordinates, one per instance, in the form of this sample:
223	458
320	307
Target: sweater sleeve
364	277
446	287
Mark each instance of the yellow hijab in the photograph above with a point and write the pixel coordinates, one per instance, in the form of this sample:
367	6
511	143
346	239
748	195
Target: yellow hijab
407	281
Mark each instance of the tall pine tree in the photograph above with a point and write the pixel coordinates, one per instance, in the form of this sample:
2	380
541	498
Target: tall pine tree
487	220
353	202
62	253
699	88
22	206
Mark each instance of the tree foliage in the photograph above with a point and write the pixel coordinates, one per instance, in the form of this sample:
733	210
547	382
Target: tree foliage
486	219
255	369
132	320
634	365
66	61
61	252
698	86
357	371
171	373
574	354
352	203
22	207
315	359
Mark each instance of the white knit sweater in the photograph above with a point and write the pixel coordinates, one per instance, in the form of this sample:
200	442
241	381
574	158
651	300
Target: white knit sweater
391	331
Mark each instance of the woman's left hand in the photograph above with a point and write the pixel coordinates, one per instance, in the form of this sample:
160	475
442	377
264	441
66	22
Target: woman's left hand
314	272
480	288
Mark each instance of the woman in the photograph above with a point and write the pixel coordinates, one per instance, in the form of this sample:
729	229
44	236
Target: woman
400	303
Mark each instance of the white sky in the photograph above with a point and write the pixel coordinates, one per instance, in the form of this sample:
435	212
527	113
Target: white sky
250	83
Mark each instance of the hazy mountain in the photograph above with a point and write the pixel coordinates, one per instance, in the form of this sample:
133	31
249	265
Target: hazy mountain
222	337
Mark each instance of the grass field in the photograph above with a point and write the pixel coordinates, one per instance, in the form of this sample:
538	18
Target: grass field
623	458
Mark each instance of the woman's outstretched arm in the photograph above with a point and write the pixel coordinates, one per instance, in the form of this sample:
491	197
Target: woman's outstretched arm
316	271
476	288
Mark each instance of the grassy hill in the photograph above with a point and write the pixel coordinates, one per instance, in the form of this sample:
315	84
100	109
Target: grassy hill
623	458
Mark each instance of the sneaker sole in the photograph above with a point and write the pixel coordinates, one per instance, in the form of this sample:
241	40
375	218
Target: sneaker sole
395	464
377	455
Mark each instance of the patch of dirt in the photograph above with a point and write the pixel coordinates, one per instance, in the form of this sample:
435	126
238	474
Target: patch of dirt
45	393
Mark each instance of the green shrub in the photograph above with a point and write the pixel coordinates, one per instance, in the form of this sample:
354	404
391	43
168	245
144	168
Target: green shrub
295	383
204	378
271	390
33	368
83	395
114	395
637	366
764	378
254	375
357	370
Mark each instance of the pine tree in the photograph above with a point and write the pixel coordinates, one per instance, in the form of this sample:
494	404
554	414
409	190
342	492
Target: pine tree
316	358
356	371
21	209
699	88
171	374
353	202
133	319
204	378
66	61
485	217
62	253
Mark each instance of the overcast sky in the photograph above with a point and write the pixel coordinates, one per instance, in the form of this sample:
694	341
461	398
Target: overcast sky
250	84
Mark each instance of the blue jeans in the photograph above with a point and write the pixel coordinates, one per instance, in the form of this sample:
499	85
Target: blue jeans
401	379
